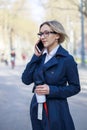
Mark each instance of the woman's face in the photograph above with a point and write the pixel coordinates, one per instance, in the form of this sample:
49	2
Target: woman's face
48	38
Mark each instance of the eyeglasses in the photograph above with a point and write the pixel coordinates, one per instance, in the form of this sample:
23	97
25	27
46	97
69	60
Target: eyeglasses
46	34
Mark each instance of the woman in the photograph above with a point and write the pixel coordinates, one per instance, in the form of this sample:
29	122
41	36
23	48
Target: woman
55	75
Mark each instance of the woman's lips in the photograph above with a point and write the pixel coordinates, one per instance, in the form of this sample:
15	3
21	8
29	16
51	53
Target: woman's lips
43	42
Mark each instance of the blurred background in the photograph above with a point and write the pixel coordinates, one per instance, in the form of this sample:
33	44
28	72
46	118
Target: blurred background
20	20
19	25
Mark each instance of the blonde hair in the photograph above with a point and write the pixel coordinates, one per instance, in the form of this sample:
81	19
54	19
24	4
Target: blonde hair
58	28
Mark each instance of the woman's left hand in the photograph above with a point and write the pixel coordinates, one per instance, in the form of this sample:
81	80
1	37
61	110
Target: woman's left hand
42	89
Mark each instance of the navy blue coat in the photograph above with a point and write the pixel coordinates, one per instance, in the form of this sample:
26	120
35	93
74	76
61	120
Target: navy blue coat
61	74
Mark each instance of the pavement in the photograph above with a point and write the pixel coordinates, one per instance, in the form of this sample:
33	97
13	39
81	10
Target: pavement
83	76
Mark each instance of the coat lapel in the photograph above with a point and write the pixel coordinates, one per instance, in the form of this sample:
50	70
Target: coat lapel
61	52
52	62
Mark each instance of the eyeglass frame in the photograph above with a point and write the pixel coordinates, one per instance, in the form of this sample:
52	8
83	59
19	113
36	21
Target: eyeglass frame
46	34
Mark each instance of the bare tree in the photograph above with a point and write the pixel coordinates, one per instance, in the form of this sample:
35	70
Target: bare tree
78	4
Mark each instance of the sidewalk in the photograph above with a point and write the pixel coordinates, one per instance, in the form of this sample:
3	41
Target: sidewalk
83	76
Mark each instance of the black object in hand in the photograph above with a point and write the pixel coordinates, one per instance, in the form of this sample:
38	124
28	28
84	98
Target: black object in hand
37	83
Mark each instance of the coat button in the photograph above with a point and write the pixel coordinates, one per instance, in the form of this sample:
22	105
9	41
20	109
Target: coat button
52	72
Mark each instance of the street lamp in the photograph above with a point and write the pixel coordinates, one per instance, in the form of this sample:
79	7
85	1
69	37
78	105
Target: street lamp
82	36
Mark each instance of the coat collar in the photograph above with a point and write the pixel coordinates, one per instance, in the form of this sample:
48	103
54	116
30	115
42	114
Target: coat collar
61	52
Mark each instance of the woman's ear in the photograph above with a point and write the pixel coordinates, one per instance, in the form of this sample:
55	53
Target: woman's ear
57	36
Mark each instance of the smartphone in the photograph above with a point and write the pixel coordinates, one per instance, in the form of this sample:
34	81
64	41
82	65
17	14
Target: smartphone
39	47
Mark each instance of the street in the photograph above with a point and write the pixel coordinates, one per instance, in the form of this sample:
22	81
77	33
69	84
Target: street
15	99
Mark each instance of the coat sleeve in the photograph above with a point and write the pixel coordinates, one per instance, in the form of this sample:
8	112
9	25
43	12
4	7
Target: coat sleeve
73	84
27	75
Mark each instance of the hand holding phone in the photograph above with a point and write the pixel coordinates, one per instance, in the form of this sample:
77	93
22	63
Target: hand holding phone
39	46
